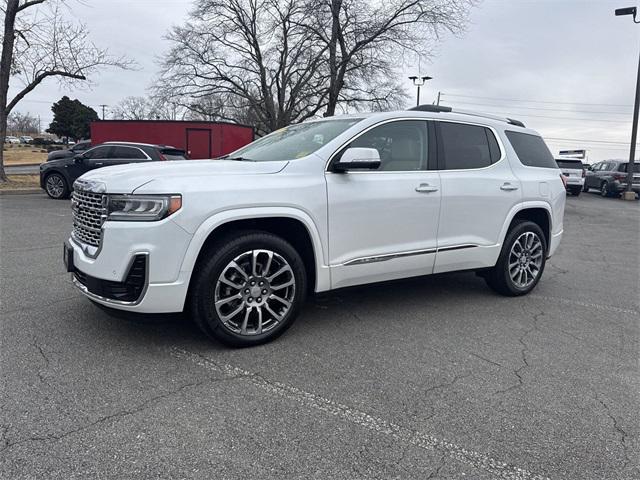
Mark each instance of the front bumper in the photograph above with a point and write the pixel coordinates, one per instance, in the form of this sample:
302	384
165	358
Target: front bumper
112	276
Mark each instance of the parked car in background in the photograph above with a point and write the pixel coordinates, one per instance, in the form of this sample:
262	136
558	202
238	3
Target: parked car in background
574	171
317	206
26	139
79	147
57	176
609	177
11	139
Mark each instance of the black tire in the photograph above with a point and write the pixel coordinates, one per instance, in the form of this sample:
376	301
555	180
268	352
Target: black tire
56	186
604	189
585	188
576	192
499	278
205	287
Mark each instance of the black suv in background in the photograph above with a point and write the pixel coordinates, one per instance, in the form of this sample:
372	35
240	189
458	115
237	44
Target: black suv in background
57	176
79	147
609	177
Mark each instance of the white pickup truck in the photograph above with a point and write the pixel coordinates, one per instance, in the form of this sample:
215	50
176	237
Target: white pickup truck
321	205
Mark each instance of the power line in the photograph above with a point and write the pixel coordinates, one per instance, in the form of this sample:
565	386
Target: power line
587	141
546	109
573	119
539	101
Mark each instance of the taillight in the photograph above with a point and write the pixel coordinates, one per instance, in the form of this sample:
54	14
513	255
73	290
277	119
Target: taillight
564	180
162	157
620	177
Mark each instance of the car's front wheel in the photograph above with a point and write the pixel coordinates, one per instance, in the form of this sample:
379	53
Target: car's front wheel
604	189
521	261
56	186
249	290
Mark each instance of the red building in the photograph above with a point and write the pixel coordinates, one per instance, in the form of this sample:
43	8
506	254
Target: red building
198	139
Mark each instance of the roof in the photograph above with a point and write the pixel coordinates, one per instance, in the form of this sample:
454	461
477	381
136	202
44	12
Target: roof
139	144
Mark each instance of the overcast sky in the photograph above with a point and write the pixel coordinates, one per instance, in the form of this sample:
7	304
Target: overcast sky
566	68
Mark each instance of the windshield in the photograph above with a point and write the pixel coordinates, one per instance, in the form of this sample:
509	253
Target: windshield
294	141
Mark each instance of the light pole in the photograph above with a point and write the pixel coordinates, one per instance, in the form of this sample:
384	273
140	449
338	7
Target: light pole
418	82
630	194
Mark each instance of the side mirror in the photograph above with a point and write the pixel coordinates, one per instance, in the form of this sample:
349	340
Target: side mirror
357	158
79	158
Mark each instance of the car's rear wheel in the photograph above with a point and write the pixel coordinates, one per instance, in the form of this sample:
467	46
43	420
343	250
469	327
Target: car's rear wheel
249	290
56	186
521	261
604	189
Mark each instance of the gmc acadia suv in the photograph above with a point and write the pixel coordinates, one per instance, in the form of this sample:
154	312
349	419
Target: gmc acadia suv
321	205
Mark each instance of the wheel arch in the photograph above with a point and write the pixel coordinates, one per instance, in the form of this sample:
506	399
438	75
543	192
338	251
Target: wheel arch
48	173
293	225
536	212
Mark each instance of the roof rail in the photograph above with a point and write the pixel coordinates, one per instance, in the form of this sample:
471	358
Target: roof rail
440	108
430	108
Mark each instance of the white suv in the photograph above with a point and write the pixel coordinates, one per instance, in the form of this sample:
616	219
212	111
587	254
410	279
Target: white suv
317	206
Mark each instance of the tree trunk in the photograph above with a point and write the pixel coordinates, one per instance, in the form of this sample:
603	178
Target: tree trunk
5	72
332	99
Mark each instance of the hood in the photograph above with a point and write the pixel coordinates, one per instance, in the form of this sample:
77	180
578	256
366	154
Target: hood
56	154
127	178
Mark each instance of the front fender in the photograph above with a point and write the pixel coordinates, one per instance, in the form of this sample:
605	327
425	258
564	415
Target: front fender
323	280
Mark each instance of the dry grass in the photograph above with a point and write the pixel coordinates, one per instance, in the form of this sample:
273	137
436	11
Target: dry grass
21	181
24	155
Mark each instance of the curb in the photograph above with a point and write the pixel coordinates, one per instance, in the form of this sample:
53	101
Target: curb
21	191
22	164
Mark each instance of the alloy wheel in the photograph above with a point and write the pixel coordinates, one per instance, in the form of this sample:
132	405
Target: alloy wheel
55	186
525	259
254	292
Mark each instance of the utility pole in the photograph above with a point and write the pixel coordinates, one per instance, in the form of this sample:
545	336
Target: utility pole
418	83
103	107
438	102
629	194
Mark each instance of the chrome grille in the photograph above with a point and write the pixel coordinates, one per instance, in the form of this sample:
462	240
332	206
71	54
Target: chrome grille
89	214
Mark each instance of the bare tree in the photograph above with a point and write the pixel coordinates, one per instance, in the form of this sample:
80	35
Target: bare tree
255	55
22	123
38	43
365	41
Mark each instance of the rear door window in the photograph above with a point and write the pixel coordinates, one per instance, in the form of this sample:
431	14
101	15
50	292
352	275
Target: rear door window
128	153
624	167
463	146
531	149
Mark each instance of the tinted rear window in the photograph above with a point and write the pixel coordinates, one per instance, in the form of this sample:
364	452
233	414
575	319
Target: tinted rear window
173	154
531	150
574	164
625	167
467	146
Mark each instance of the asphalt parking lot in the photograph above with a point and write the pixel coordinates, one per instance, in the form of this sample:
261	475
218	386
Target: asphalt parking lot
427	378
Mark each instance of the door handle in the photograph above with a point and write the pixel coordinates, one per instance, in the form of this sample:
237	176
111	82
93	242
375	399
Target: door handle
426	188
507	187
98	164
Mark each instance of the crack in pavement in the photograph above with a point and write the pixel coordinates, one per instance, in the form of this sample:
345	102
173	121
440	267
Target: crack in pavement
523	352
486	360
400	433
619	430
598	306
435	473
117	415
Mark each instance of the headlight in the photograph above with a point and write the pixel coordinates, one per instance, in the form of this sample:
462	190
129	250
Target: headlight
142	208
